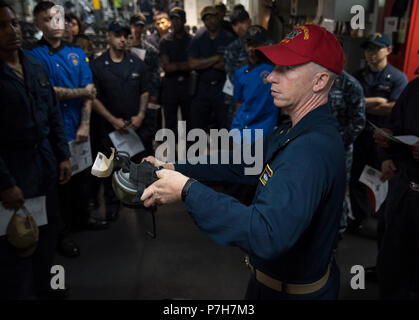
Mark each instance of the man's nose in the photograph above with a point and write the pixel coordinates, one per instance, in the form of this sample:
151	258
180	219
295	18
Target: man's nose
269	77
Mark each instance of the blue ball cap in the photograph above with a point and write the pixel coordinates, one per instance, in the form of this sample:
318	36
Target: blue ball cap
118	25
381	40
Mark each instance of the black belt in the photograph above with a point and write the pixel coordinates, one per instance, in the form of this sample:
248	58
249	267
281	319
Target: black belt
178	78
212	83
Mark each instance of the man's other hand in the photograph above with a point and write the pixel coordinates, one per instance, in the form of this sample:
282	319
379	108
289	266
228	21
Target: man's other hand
65	171
12	198
168	189
82	134
158	163
387	170
120	125
136	121
90	91
381	140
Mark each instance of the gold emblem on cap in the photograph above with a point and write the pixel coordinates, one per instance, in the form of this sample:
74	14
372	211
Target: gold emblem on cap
296	32
254	30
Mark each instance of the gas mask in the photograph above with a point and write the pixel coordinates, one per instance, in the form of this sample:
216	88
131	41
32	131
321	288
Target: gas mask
129	179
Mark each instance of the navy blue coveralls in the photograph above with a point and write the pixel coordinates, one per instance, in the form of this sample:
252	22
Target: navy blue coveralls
388	83
290	228
398	257
175	85
32	142
120	86
209	97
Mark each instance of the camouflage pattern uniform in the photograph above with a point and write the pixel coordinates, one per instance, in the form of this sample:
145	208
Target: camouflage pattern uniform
235	57
347	102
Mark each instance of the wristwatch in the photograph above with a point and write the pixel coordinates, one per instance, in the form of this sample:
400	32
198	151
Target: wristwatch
185	190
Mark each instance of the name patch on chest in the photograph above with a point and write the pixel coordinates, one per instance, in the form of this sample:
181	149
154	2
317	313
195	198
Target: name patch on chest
266	175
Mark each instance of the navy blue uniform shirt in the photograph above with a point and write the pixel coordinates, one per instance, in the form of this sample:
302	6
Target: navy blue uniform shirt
177	51
120	85
204	47
32	136
290	229
387	83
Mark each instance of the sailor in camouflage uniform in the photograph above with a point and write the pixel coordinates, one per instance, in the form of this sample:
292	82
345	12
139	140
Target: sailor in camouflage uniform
235	55
347	103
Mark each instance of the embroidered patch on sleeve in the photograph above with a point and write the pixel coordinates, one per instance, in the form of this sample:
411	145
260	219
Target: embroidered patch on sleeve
266	175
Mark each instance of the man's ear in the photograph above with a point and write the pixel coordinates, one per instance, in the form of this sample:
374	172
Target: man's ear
389	49
320	81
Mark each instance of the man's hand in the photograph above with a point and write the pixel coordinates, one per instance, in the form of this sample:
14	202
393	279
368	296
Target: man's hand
381	140
415	151
136	121
65	171
158	163
120	125
90	91
380	100
82	134
12	198
167	189
379	106
387	169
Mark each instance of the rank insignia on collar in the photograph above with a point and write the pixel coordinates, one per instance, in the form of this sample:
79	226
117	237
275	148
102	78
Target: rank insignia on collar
266	175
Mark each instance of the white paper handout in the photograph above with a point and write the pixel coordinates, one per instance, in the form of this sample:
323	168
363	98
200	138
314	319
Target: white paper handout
129	142
81	156
36	206
382	132
140	53
371	178
408	139
228	87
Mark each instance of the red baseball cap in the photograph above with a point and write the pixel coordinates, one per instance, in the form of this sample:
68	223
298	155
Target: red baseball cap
307	43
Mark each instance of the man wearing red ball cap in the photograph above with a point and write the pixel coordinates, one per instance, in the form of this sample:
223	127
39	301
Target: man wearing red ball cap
309	55
289	230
